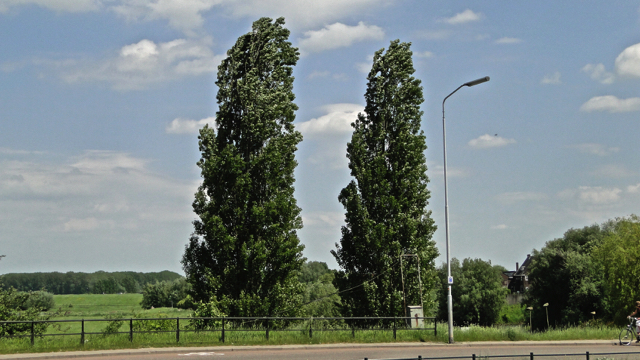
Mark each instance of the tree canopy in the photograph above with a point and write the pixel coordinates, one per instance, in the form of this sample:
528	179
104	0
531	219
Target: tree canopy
244	254
617	264
563	275
386	201
477	293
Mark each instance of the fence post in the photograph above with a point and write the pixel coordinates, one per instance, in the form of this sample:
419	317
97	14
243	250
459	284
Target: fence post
82	334
267	330
130	329
32	334
310	327
473	356
353	331
587	355
394	328
177	329
222	329
435	327
531	356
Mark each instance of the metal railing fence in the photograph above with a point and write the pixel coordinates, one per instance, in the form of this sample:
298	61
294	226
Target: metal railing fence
530	356
224	325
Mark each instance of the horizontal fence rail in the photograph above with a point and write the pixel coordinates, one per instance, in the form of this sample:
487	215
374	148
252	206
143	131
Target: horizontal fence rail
224	325
587	355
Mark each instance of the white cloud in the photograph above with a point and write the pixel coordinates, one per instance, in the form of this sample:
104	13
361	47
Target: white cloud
338	35
508	40
90	207
463	17
337	121
187	126
633	189
55	5
301	14
188	16
423	54
611	104
323	218
599	73
551	79
90	223
595	195
318	74
487	141
595	149
628	62
518	196
144	63
182	15
499	227
613	171
452	172
364	67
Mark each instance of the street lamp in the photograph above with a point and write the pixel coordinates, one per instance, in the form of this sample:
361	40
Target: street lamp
446	205
530	324
547	310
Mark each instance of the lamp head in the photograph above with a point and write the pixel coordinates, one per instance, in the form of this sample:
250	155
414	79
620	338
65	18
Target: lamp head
545	304
530	308
476	82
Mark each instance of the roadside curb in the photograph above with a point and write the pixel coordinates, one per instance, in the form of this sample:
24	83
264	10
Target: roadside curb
212	349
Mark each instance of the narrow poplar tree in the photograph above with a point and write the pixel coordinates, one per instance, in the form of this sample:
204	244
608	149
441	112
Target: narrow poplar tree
386	202
244	254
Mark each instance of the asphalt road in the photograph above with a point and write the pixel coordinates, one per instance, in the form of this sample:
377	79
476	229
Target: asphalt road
541	350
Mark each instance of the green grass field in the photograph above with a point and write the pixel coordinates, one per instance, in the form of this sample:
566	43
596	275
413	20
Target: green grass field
99	306
78	307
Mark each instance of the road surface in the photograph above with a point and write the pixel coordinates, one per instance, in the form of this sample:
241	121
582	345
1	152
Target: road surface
541	350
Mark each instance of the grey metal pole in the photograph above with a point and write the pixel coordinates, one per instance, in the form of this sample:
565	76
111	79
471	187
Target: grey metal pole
446	205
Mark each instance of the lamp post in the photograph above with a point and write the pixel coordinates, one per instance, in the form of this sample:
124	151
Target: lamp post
547	311
530	324
446	204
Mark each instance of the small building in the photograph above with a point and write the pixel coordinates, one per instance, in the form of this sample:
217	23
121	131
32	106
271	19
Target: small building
517	281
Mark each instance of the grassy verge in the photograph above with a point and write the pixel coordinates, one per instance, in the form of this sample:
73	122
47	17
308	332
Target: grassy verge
97	306
300	336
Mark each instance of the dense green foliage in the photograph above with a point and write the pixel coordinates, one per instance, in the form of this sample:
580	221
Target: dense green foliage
312	271
164	294
22	306
386	202
564	275
477	292
244	253
85	283
618	266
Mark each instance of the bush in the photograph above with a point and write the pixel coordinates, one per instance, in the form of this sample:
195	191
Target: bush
41	300
165	293
13	307
208	309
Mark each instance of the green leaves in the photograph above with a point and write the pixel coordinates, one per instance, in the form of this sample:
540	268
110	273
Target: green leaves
617	259
564	275
478	295
386	202
245	250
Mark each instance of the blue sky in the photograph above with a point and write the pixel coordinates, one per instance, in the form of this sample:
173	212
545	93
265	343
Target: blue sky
100	102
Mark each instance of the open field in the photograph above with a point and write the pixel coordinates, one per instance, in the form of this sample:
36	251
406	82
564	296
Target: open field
78	307
99	306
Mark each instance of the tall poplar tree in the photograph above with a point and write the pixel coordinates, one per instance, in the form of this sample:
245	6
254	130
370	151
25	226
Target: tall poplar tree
386	201
244	254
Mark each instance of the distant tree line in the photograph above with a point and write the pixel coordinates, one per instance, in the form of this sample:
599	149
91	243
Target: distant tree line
100	282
